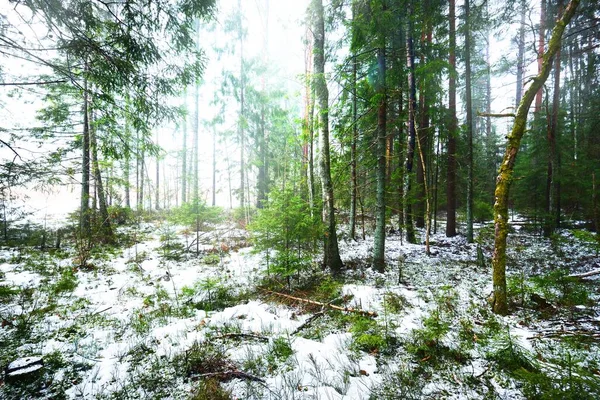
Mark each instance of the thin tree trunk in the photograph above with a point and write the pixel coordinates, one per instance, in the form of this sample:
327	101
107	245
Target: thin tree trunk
105	226
242	121
331	253
499	299
157	194
452	129
412	103
521	54
184	155
353	179
555	150
214	168
469	106
423	133
436	182
84	221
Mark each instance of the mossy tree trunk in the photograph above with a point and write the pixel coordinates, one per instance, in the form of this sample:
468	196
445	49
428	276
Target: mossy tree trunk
499	298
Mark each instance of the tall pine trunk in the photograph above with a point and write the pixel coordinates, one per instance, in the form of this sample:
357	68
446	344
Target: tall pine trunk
469	107
412	103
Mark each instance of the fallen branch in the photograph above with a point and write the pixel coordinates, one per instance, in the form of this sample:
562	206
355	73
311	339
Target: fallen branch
557	334
308	322
593	272
243	336
324	305
227	375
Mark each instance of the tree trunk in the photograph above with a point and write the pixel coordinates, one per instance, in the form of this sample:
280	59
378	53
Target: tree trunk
84	217
184	155
541	45
105	226
499	299
452	129
521	54
469	106
423	133
412	103
331	253
157	193
214	168
379	245
242	121
353	179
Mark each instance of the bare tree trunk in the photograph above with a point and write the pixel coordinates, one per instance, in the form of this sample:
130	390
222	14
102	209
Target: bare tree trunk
499	299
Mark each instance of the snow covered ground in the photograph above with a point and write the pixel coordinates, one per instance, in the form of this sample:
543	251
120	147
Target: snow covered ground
143	322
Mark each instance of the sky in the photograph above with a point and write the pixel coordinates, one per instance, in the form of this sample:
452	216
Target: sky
284	38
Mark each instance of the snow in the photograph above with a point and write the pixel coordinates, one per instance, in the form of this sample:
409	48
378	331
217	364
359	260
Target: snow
122	293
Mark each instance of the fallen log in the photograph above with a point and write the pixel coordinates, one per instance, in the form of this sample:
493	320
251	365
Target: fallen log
242	336
588	274
323	305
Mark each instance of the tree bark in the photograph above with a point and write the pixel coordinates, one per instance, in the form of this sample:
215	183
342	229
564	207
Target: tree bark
452	129
499	299
331	254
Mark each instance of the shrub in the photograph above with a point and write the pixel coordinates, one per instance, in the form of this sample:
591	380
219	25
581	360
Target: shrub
120	215
482	211
286	228
190	215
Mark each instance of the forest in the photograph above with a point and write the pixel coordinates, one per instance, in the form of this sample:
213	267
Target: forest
311	199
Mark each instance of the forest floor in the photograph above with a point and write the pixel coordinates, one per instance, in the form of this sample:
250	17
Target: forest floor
150	318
